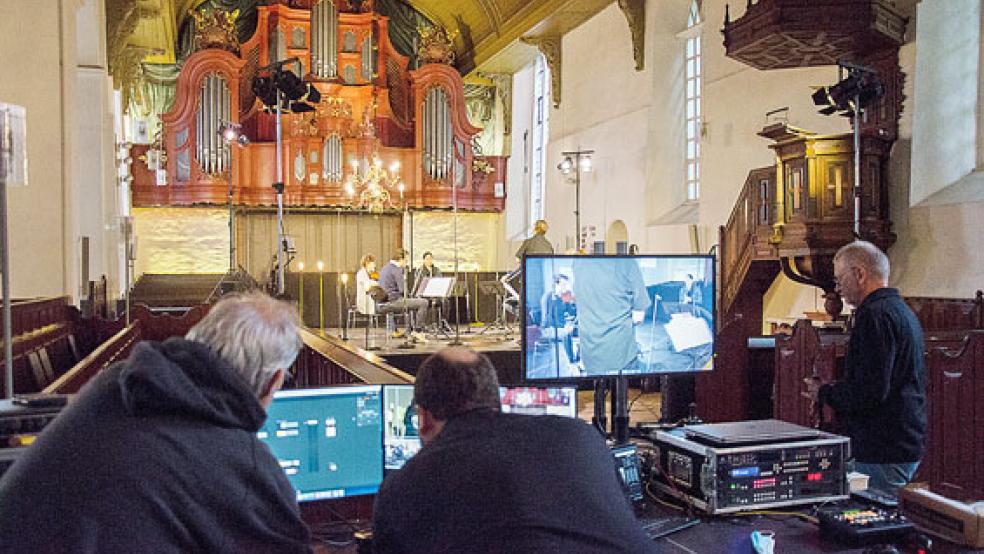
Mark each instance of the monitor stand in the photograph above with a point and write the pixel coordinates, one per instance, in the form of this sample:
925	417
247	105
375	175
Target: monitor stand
619	408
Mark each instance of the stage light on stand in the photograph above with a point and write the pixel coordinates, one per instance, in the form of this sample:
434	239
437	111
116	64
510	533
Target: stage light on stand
858	89
282	91
232	133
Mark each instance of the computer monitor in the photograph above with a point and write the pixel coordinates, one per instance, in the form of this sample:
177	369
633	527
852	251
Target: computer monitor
400	438
602	316
559	401
328	440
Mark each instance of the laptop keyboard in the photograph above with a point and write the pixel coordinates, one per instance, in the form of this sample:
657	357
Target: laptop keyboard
657	527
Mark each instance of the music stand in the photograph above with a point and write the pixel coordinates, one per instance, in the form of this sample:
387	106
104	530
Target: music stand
499	290
437	288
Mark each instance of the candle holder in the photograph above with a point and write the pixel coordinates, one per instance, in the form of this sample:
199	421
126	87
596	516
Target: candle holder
300	293
321	297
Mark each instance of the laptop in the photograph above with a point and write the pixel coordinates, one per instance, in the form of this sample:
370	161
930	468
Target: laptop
750	432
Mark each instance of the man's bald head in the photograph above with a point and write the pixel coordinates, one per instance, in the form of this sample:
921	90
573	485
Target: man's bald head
454	381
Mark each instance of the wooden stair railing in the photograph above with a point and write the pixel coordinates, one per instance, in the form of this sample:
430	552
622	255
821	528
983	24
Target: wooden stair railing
751	211
747	270
325	361
115	349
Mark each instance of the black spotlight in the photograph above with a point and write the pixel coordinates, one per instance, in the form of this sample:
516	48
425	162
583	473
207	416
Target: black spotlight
291	85
265	89
861	84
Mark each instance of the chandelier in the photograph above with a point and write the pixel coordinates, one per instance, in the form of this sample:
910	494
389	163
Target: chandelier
372	183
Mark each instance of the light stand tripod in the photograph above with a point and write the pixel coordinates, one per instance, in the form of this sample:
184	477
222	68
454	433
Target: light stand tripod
231	133
274	86
279	187
457	310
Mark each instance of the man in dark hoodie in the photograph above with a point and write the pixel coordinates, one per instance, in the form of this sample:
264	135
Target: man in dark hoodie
487	482
159	453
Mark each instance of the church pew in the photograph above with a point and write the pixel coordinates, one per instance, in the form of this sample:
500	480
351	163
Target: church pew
325	361
116	348
954	463
46	341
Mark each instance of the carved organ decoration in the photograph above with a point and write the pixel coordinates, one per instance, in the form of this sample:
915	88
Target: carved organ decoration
414	120
216	29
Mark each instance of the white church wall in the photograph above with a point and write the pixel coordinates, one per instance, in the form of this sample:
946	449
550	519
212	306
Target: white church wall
947	139
39	74
937	252
606	107
94	184
634	122
516	218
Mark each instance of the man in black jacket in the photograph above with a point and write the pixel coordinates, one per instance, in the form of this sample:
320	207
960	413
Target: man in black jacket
486	481
881	401
159	453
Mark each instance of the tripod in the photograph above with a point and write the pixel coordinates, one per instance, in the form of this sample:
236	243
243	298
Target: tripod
407	343
436	289
501	323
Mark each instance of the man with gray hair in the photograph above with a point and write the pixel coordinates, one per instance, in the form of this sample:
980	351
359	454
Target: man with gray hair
486	481
159	453
881	400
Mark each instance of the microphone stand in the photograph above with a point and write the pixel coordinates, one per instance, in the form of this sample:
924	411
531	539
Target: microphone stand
457	306
407	343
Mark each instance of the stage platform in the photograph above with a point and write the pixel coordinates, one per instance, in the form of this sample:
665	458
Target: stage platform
501	347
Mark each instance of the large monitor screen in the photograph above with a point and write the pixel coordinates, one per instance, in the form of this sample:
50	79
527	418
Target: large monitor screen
327	440
601	316
400	438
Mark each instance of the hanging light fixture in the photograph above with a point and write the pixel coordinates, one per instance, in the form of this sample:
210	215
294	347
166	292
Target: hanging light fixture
566	165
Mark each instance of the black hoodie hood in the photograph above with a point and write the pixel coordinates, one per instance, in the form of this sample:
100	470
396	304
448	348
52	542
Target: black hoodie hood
185	378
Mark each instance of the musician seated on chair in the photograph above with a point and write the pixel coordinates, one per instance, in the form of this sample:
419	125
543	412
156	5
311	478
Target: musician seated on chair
393	281
557	314
364	282
426	271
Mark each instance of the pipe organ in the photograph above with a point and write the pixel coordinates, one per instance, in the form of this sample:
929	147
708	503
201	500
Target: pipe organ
414	120
324	46
214	109
332	162
437	134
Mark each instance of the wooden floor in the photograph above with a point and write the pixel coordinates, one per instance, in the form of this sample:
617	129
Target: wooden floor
476	338
644	407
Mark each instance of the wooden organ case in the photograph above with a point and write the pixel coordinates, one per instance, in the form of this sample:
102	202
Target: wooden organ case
373	106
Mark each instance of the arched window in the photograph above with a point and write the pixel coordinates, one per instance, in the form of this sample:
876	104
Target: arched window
692	63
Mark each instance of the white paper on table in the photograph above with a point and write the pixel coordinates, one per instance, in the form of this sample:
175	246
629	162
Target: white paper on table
686	331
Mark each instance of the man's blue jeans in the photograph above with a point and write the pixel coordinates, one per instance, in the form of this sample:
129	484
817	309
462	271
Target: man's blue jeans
887	478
